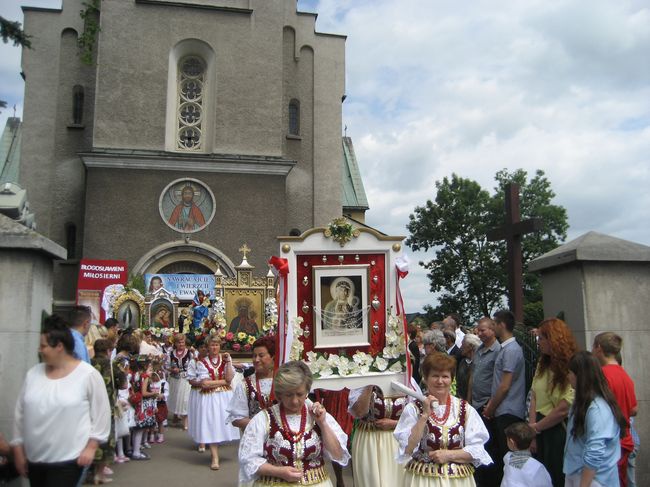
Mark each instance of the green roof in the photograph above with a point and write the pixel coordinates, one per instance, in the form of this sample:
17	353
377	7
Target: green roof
354	196
10	150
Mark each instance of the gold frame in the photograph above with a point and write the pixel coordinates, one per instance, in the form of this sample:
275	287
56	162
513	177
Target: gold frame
129	296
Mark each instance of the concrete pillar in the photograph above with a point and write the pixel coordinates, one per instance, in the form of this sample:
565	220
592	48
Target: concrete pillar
26	263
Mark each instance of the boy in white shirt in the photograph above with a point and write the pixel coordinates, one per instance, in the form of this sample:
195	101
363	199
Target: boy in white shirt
520	469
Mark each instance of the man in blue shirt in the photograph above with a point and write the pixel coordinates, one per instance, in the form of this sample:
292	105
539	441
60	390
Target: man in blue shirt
79	326
508	402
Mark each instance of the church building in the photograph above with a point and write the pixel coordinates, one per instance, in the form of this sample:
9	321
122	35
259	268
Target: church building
167	133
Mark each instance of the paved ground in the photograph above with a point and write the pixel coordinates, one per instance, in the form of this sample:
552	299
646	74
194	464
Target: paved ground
177	463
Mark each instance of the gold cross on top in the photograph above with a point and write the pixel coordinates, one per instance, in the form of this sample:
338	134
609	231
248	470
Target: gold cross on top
244	250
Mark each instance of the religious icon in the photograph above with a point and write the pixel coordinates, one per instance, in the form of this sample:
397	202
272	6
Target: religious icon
187	205
243	312
341	306
162	314
128	315
155	283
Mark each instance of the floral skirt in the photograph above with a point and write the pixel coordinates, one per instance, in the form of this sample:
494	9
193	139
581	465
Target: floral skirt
145	413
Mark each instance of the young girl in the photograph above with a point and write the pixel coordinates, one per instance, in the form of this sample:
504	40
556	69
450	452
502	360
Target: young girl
144	402
123	421
159	386
595	427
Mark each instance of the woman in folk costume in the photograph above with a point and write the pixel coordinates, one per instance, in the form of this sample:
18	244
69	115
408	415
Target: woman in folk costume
195	392
441	439
254	393
179	387
374	447
289	442
215	373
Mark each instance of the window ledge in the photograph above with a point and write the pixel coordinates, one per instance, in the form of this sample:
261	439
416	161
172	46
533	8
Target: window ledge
76	126
293	137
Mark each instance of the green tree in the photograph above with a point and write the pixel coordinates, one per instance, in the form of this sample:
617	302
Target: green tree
468	273
13	31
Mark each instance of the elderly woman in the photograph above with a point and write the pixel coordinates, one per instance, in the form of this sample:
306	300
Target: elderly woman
373	445
62	413
551	395
441	439
288	442
594	429
254	393
215	373
464	370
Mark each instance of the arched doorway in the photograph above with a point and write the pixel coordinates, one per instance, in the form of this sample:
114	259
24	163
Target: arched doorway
184	258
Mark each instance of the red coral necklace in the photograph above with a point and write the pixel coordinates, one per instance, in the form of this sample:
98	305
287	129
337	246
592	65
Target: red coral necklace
296	436
442	419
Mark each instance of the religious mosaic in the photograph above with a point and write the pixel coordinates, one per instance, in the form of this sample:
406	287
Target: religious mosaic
187	205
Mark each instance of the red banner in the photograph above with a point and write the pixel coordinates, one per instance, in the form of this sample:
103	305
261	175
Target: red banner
94	277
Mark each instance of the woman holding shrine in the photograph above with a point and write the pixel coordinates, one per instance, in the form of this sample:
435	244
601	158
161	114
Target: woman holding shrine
441	439
289	441
215	372
374	447
179	388
254	393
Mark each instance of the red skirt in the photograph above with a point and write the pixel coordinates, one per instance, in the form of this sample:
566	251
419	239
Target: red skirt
162	413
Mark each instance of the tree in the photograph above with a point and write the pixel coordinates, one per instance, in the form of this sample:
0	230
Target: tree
469	273
13	30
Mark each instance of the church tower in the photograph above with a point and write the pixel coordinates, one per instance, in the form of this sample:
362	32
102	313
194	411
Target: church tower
192	127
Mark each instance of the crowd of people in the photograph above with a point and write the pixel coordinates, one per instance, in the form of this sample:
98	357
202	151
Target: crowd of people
103	396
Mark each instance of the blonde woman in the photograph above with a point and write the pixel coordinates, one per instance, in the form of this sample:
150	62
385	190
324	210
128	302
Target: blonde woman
290	441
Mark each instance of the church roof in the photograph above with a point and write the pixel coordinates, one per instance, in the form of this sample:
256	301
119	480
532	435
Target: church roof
10	150
592	246
354	196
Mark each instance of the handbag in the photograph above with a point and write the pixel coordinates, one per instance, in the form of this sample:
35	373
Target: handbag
121	426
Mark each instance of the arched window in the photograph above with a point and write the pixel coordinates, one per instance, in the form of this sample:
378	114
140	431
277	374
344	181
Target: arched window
191	82
294	117
77	105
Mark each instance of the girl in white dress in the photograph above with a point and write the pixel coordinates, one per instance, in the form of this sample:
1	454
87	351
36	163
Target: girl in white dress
253	393
289	441
215	373
441	439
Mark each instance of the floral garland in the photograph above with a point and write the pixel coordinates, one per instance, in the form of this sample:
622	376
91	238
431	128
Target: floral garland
392	359
159	332
270	315
341	231
297	346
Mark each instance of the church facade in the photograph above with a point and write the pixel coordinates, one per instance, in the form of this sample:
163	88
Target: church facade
197	126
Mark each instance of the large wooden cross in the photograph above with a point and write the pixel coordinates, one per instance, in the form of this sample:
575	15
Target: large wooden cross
511	232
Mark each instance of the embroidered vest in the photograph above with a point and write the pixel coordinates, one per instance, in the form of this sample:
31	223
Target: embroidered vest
441	437
182	363
216	373
382	407
282	449
254	397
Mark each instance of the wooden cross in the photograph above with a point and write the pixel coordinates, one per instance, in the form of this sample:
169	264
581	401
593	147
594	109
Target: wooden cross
244	250
511	232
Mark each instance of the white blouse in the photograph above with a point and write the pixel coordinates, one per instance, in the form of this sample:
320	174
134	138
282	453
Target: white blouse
476	435
55	418
238	408
251	446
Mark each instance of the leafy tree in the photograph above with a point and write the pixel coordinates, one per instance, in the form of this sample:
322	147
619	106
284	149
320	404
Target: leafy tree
469	272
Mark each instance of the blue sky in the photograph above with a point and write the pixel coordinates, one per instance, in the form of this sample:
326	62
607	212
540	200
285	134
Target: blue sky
435	87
